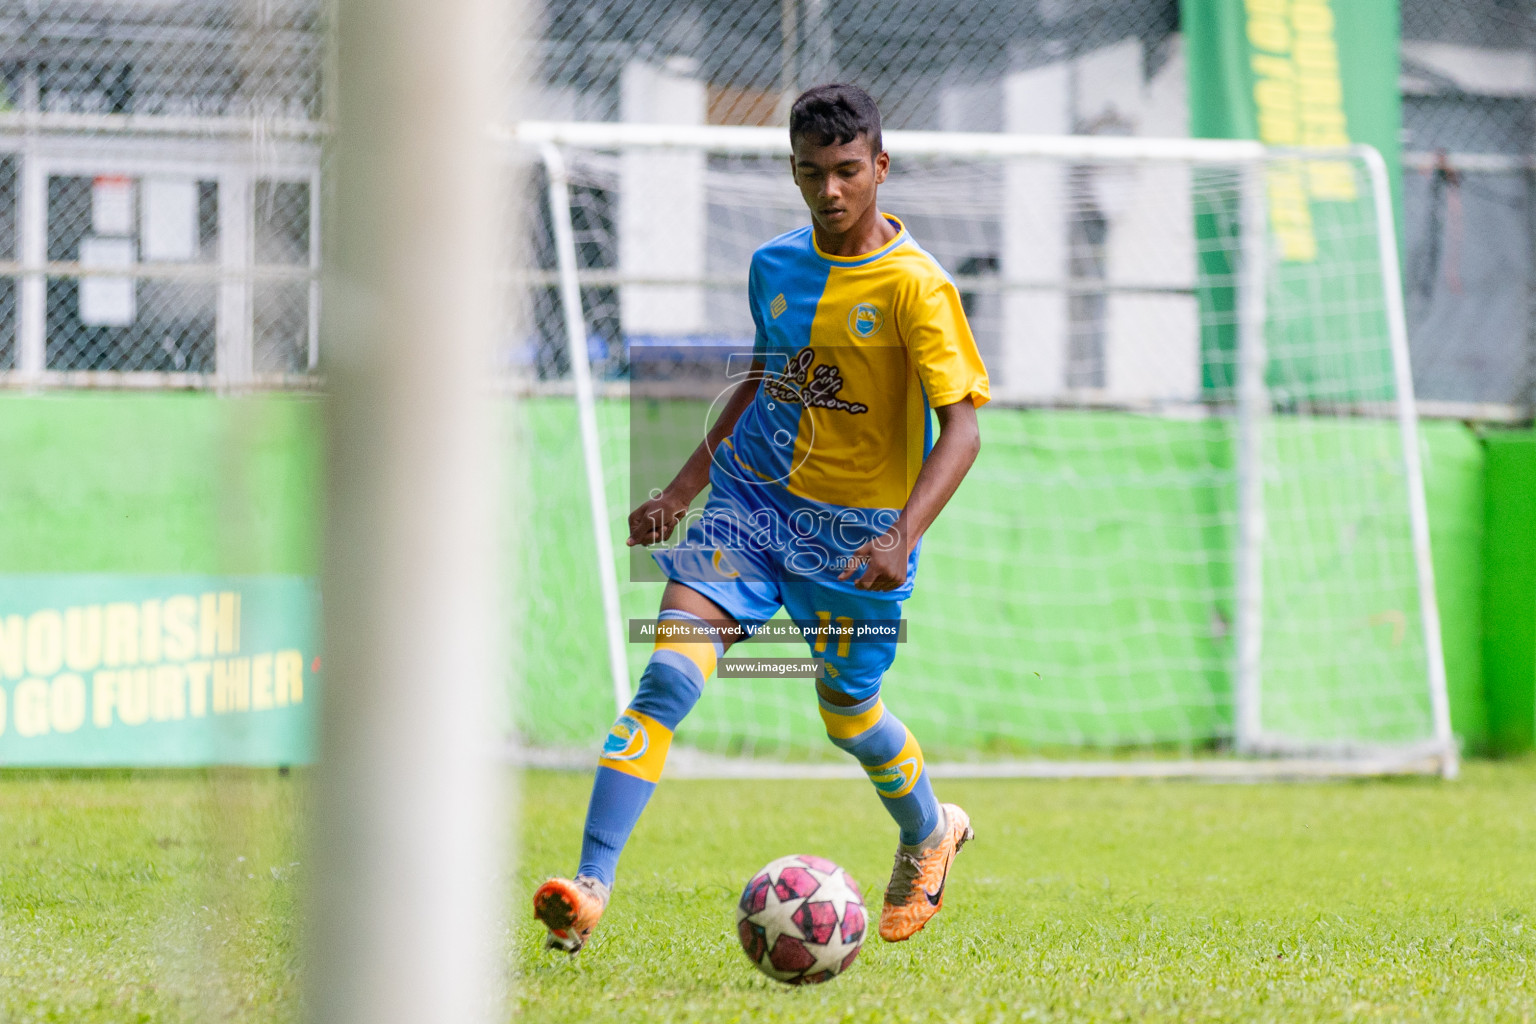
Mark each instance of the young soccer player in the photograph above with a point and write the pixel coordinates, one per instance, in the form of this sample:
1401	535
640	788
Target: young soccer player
824	476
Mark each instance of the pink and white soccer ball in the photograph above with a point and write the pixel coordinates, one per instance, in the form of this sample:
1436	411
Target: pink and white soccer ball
801	920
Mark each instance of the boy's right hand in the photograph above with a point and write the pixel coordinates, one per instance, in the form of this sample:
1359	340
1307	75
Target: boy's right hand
654	520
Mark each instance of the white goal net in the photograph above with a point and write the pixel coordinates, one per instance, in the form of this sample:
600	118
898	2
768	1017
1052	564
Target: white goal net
1195	538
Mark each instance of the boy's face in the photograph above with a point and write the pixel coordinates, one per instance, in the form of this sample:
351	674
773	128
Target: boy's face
838	182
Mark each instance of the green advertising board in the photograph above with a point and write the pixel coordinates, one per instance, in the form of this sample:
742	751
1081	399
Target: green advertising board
108	669
1301	74
1509	590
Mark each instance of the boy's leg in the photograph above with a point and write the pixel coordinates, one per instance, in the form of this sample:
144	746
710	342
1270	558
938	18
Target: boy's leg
931	833
715	586
858	721
857	641
890	756
693	633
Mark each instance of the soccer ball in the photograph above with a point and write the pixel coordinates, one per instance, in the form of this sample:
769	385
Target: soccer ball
801	920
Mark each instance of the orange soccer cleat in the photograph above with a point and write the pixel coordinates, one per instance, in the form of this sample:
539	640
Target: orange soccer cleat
916	891
570	909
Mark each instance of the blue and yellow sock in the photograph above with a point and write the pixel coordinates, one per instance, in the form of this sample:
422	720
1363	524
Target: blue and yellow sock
636	748
892	760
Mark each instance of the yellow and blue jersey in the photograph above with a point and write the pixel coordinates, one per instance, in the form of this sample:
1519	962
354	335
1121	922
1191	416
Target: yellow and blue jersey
858	350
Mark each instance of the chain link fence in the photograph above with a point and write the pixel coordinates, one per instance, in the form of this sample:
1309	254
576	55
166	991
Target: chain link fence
159	168
1469	210
1468	82
160	164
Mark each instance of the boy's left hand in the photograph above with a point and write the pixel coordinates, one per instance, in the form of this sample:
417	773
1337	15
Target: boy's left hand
884	560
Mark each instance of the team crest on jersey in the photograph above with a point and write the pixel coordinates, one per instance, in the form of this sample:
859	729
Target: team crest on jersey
865	320
803	382
627	739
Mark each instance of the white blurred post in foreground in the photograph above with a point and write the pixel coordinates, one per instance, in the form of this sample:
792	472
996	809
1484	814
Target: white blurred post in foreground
404	826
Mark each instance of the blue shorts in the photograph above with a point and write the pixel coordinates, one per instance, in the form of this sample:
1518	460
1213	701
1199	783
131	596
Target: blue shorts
756	548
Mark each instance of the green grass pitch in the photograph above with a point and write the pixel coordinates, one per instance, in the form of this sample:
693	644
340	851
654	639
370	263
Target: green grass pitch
174	897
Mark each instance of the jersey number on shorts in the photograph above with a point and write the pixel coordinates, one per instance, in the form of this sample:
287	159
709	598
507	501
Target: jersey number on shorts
845	633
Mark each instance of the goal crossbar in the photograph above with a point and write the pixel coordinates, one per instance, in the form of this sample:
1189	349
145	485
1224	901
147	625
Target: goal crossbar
973	145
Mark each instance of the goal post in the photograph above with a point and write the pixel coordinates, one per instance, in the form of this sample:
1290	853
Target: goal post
1196	541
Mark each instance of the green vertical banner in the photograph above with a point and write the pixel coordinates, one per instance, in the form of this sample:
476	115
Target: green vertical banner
1304	74
157	670
1300	76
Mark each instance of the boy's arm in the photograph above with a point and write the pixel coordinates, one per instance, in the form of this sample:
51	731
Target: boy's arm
653	521
885	557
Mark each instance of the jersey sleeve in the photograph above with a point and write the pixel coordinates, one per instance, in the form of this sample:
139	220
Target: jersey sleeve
759	336
939	340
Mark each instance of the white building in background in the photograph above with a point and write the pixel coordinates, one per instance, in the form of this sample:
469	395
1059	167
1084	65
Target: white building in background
1097	265
1034	326
662	205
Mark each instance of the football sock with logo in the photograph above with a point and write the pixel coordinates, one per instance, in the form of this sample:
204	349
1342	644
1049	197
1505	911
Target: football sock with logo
892	760
636	748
